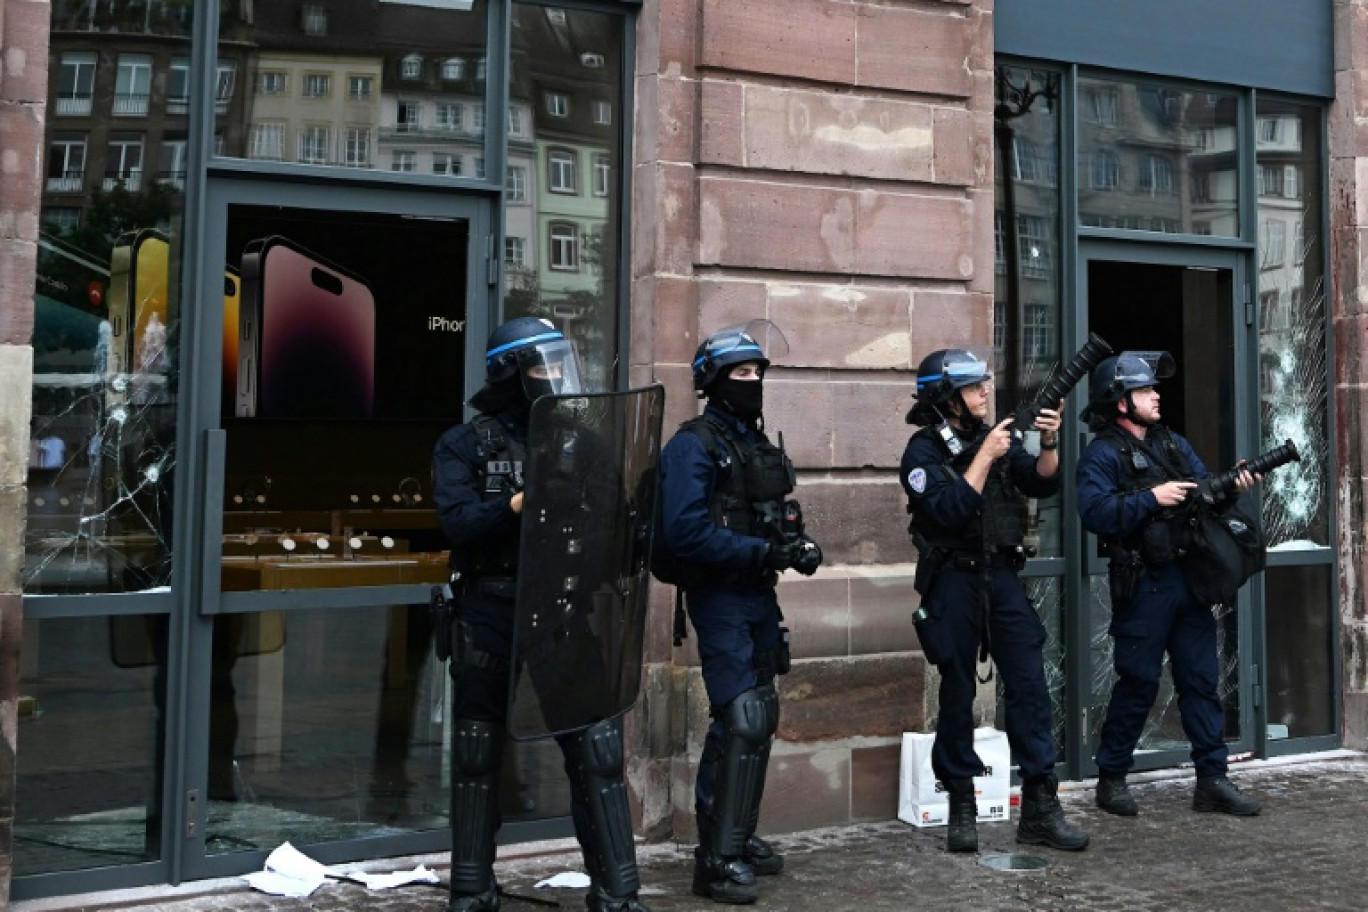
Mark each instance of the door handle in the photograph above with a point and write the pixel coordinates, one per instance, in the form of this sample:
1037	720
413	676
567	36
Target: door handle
211	495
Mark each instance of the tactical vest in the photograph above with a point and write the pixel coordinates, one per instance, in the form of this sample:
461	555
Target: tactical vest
753	478
999	524
1140	472
501	460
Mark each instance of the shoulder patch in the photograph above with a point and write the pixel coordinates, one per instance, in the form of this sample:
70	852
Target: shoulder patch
917	479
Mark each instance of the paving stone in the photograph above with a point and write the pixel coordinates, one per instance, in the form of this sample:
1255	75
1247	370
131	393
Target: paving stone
1304	852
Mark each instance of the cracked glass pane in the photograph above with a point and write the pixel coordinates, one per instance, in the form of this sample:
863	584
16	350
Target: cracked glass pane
1046	593
106	330
1292	367
1163	729
103	431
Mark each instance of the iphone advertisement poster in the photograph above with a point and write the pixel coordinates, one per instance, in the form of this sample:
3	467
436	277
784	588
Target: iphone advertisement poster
344	316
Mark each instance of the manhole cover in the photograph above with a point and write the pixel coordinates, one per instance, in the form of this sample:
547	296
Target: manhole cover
1013	862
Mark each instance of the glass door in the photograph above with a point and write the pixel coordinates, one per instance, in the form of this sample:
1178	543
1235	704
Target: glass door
341	332
1193	304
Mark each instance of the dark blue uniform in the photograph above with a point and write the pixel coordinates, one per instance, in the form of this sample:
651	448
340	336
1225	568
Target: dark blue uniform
950	515
734	613
485	529
1162	617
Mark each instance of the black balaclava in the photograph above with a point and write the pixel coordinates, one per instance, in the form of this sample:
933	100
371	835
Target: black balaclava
743	398
503	396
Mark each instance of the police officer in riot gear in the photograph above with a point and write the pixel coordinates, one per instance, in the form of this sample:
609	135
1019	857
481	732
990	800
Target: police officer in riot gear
1130	478
477	490
964	482
728	523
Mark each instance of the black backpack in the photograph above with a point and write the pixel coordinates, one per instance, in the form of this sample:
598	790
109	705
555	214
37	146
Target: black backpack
666	566
1223	551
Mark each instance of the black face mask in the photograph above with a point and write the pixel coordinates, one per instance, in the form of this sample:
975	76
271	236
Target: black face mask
502	396
743	398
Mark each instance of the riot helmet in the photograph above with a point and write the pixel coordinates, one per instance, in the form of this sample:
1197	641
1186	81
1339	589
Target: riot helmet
526	358
726	348
940	376
1119	375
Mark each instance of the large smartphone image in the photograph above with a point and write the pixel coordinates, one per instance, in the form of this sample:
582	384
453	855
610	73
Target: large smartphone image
307	335
232	303
137	302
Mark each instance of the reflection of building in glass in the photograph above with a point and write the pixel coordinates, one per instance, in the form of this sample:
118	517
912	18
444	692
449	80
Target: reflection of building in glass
313	110
1154	158
565	72
1026	234
120	83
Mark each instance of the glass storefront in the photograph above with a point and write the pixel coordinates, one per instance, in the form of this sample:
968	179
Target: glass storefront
285	356
1164	175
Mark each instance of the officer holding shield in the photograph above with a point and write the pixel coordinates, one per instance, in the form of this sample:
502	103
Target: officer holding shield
478	494
964	481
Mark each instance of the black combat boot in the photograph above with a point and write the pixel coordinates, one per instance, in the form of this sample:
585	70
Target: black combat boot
962	828
721	879
1217	793
488	901
596	900
762	858
1114	797
1042	819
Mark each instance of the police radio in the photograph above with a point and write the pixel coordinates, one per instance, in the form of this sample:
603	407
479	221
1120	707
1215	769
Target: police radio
950	438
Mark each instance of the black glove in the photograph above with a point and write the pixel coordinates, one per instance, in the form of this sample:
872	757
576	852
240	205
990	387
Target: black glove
779	555
808	557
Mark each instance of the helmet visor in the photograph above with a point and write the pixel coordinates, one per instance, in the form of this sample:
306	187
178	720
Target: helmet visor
1136	369
758	340
550	368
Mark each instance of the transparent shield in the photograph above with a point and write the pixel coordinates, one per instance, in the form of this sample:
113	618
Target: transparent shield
588	513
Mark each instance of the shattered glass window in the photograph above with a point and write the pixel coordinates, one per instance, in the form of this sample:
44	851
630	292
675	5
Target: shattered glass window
102	439
1293	391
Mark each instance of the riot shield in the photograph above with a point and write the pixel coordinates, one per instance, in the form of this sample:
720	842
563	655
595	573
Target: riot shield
588	513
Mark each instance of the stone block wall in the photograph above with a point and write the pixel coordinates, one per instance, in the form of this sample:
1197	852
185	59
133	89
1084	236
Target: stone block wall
1349	302
826	164
23	89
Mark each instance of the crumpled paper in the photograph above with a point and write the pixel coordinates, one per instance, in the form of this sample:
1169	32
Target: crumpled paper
289	872
565	879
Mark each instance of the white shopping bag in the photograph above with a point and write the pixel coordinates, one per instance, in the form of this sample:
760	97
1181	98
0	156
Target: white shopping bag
921	799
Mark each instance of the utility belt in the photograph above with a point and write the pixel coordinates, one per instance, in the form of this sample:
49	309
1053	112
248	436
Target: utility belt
1013	559
453	636
697	575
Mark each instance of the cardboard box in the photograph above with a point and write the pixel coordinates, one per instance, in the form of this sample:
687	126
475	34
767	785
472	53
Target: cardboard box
921	800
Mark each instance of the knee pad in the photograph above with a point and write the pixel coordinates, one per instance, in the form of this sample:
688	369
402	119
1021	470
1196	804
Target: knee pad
600	749
476	747
753	716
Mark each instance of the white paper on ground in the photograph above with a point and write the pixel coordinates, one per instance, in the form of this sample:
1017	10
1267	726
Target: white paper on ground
289	872
566	879
280	885
291	862
419	874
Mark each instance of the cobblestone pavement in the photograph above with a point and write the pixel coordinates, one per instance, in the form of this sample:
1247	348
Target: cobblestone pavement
1308	850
